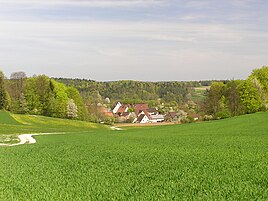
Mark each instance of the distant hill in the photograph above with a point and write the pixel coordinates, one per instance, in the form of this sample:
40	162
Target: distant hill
136	91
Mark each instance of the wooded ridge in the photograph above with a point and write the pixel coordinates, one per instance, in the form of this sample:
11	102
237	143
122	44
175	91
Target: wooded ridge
87	99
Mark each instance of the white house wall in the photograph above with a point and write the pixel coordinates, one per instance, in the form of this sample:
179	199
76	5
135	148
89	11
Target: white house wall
118	105
145	120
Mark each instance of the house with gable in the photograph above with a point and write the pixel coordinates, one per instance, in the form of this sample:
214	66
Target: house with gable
142	113
123	110
152	111
116	107
147	115
143	118
120	109
138	108
157	118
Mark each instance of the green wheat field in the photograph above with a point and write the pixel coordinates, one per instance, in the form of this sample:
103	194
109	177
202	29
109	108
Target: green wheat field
217	160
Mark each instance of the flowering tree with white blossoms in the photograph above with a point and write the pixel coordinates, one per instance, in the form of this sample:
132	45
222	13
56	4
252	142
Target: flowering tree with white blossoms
72	109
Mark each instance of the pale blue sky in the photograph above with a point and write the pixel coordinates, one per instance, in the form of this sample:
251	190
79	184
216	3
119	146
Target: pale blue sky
134	39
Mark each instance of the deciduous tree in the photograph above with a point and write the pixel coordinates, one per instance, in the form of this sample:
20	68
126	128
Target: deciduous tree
233	97
72	109
3	93
250	96
213	103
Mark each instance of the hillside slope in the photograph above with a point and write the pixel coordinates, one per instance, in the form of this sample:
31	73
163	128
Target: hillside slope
6	118
218	160
11	125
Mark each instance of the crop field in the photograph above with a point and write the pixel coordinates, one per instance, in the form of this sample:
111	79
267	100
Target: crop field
199	93
218	160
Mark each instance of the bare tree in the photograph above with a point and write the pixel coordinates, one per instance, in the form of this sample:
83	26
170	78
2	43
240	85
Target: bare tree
18	75
18	84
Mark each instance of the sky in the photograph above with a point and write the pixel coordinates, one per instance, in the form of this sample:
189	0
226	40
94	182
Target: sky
147	40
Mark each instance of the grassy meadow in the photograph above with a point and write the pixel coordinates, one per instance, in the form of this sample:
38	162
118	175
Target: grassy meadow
218	160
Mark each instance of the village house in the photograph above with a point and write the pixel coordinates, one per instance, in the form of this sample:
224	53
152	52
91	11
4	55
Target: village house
143	118
147	115
120	109
157	118
116	107
152	111
142	113
138	108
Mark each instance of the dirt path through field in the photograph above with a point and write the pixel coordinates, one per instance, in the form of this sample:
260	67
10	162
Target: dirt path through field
142	125
116	128
27	139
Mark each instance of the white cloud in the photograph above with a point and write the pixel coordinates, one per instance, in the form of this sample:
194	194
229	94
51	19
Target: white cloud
199	4
128	49
96	34
81	35
88	3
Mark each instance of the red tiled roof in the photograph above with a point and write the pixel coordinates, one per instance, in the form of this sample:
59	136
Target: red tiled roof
140	107
140	117
122	109
125	114
152	110
146	113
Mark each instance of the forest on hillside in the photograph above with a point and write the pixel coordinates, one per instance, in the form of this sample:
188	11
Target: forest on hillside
131	92
85	99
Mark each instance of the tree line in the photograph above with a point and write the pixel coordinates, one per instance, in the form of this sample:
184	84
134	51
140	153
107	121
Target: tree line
40	95
85	99
131	92
237	97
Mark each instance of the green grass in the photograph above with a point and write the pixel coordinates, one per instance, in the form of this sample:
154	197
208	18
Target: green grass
219	160
6	118
24	124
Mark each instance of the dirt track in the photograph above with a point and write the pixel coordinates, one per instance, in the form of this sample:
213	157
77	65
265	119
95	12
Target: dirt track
27	139
142	125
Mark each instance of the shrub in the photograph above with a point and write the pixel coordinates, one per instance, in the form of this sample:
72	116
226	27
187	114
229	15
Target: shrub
223	115
208	118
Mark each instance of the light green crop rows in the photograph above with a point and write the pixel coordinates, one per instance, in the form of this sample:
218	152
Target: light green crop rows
220	160
26	124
